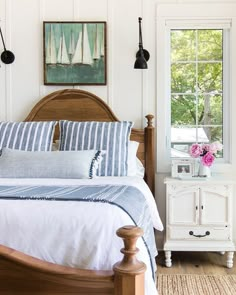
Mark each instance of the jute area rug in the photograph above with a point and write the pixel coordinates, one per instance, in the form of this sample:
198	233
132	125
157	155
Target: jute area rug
196	284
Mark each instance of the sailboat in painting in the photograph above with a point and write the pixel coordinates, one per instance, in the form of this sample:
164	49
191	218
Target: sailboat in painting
71	50
82	53
51	58
62	55
96	48
102	46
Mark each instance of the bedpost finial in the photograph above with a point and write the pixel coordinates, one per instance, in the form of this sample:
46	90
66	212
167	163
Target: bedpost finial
130	234
149	118
129	273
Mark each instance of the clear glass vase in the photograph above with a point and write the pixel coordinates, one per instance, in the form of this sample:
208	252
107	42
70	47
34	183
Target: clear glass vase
204	171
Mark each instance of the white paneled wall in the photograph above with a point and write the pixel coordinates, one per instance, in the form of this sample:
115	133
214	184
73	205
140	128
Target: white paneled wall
131	93
3	110
22	82
26	45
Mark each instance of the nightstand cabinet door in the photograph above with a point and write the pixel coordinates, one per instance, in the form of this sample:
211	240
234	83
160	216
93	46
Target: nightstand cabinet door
183	203
214	205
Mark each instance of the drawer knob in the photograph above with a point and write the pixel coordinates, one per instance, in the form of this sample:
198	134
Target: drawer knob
207	233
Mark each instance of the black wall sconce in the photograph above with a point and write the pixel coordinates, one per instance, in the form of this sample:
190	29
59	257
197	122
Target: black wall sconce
142	56
7	57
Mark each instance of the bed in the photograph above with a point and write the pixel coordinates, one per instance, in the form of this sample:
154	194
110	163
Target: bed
37	272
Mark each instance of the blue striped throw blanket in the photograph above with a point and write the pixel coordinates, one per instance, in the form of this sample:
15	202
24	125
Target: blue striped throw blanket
127	198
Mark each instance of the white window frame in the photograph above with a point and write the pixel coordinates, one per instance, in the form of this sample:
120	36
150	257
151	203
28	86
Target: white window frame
164	25
225	26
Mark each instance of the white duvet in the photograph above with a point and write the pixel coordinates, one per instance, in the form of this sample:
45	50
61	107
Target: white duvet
58	231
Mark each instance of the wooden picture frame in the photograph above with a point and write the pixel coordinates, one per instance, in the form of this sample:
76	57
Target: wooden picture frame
74	53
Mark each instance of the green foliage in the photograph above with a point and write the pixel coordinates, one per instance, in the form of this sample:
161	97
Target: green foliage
183	110
196	80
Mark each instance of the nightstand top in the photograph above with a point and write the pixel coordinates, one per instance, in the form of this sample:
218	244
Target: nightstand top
195	180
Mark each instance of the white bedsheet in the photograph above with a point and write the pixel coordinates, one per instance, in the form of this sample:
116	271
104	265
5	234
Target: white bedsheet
58	231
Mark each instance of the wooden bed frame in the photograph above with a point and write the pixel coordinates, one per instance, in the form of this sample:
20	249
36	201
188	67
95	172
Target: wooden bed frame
24	275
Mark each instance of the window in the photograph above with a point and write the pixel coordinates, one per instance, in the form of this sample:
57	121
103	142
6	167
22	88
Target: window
198	87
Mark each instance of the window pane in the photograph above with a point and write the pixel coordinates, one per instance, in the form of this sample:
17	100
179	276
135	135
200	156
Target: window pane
210	45
183	78
210	77
210	109
183	45
183	137
183	110
212	133
196	88
217	109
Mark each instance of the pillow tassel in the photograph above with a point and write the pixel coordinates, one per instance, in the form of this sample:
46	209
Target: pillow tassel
94	164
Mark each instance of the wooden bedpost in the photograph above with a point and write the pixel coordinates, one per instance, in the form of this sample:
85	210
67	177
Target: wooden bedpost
149	154
129	273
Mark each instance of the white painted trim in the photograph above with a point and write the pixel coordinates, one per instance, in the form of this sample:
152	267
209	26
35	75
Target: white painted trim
233	92
198	23
109	52
195	1
8	78
75	17
41	18
167	94
205	1
227	125
75	9
163	160
145	97
41	10
2	65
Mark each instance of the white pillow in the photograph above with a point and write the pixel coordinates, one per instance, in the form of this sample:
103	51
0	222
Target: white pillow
140	168
135	167
59	164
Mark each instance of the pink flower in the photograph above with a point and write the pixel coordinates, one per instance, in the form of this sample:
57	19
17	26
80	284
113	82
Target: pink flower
208	159
206	147
195	150
215	147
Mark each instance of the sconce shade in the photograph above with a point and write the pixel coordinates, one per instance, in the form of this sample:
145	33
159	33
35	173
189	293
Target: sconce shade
142	56
7	56
140	62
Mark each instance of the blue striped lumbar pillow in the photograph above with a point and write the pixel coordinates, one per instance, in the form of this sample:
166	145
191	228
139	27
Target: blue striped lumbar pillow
27	136
110	137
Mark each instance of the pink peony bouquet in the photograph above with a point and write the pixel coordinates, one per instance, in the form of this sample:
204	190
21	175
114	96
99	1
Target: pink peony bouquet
207	152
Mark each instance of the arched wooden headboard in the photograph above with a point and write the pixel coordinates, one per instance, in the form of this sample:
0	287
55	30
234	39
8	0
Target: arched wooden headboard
80	105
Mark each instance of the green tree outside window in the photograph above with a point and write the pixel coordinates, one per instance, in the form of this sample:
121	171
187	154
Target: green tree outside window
196	87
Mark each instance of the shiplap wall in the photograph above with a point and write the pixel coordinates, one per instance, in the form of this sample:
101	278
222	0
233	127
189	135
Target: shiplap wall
130	93
22	82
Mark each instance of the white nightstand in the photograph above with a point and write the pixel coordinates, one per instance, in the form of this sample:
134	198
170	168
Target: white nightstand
199	216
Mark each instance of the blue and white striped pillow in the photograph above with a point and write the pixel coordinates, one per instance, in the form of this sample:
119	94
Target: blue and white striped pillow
27	136
111	137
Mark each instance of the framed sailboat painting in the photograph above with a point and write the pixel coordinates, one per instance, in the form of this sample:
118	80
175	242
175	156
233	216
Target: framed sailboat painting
74	53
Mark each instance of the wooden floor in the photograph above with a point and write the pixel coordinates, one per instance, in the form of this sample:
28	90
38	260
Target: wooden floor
195	263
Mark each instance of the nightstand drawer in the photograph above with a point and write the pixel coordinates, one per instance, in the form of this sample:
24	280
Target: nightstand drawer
199	233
